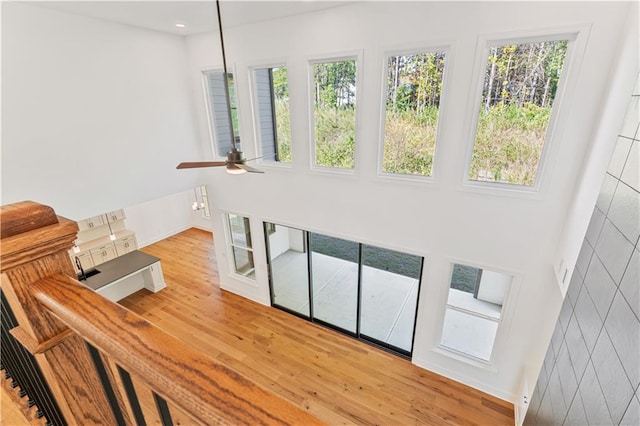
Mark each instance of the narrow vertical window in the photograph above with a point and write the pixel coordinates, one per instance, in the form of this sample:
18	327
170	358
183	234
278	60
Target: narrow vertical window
520	86
474	311
412	105
334	101
205	201
217	108
272	104
240	242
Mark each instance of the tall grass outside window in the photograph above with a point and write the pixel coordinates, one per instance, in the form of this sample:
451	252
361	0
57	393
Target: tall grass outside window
520	86
334	100
414	89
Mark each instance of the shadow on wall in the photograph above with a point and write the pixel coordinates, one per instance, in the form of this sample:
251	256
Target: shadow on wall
591	373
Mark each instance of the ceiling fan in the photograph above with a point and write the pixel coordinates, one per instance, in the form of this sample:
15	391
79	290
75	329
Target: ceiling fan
235	161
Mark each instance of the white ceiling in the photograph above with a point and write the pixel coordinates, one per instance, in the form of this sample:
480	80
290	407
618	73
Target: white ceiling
198	16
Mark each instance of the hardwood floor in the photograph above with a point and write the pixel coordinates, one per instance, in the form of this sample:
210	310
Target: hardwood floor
337	379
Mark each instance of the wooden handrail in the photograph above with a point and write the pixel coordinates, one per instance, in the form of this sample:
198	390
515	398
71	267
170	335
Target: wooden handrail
197	384
58	316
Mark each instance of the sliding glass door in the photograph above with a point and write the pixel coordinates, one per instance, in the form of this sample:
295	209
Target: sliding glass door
390	282
289	267
334	275
368	292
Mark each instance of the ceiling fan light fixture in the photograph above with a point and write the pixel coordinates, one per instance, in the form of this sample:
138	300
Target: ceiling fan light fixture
232	169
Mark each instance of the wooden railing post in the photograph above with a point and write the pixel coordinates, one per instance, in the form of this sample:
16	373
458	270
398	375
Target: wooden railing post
34	246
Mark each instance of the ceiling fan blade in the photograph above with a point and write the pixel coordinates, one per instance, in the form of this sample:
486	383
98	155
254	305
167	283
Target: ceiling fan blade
196	164
249	168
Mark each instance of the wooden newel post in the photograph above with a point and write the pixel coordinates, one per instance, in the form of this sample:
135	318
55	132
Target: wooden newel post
34	246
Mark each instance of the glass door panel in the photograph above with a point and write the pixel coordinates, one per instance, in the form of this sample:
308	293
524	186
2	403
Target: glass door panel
390	283
334	278
289	267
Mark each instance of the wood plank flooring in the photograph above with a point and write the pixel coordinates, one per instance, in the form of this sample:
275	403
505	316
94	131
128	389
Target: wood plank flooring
337	379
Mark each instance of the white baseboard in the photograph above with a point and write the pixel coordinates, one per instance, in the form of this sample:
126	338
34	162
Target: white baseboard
455	375
157	238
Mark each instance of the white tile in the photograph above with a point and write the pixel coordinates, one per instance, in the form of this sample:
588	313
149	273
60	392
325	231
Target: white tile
619	156
614	250
631	172
624	212
595	225
558	405
631	118
624	331
584	257
630	285
600	285
588	318
575	285
607	190
576	415
556	339
577	348
595	405
565	314
567	377
615	386
632	415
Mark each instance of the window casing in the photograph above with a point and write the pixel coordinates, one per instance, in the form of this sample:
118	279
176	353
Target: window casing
333	120
414	83
216	96
271	103
519	89
474	312
240	245
205	201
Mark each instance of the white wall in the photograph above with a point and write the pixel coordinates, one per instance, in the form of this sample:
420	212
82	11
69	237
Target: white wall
604	130
95	115
443	221
157	219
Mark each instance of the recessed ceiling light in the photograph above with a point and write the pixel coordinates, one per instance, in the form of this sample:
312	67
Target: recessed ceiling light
180	25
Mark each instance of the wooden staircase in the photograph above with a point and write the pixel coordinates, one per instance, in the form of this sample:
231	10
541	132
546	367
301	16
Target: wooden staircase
93	352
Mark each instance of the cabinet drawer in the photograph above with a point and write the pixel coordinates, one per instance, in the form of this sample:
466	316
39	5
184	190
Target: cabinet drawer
103	253
126	245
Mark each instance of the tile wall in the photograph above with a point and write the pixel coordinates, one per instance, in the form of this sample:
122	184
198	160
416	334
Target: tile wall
591	373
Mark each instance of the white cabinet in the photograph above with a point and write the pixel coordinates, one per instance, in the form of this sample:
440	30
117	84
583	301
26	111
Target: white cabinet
91	222
85	260
94	245
126	244
116	215
103	253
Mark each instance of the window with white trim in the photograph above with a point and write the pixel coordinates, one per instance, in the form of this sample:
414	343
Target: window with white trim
520	84
218	112
272	107
240	245
334	112
411	109
474	311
